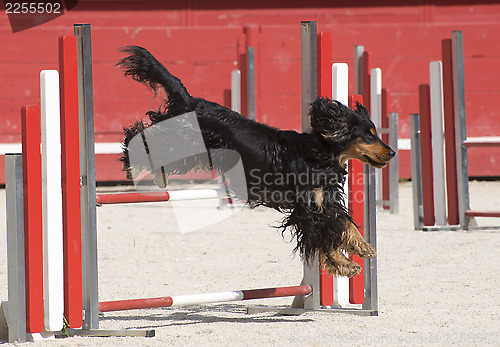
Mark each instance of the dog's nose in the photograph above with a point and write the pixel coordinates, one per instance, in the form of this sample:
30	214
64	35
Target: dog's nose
392	153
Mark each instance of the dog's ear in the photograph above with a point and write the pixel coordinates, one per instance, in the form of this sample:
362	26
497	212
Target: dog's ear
361	110
330	119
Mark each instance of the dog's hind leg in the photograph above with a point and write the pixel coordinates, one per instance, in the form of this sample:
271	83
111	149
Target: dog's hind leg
336	263
354	243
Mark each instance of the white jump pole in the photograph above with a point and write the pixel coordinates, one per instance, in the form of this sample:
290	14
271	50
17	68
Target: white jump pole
340	92
437	116
376	114
52	201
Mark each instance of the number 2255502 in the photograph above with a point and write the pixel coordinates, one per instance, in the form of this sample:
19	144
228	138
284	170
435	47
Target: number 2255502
32	7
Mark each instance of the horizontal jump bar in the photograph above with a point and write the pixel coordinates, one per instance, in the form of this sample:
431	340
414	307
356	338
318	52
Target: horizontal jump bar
196	299
481	144
482	213
174	195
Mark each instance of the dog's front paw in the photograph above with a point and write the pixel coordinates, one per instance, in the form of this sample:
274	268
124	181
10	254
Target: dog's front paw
347	269
365	250
351	269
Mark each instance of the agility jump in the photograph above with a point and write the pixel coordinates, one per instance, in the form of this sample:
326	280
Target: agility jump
439	144
79	199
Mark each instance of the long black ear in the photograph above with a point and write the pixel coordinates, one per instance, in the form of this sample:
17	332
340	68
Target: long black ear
330	119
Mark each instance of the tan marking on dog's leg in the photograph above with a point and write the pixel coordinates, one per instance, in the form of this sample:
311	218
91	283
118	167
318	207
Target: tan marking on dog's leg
337	264
318	198
354	243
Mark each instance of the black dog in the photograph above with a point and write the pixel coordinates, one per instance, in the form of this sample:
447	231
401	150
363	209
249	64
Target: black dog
299	174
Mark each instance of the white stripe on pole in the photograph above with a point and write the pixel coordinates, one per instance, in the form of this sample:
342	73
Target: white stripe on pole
340	80
206	298
52	201
376	114
340	92
437	115
236	90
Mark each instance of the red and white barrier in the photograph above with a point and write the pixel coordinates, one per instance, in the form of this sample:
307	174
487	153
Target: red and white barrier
332	81
439	172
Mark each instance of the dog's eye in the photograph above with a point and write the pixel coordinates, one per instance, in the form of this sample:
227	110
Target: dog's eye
370	138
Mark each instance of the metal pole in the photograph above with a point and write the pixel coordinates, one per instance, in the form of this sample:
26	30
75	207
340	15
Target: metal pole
358	69
370	235
309	93
308	70
394	164
87	172
457	58
416	172
251	82
16	315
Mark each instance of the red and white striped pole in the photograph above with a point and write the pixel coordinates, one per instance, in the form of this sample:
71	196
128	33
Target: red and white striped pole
174	195
196	299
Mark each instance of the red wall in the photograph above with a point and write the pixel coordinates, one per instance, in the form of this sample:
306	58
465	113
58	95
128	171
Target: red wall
202	41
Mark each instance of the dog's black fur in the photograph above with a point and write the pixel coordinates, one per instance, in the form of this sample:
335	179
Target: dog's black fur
299	174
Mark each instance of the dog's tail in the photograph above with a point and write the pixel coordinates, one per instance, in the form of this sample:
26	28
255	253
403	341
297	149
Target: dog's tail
143	67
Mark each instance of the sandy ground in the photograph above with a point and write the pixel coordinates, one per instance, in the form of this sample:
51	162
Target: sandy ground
439	288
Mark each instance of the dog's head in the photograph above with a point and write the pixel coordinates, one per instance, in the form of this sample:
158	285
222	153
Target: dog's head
350	134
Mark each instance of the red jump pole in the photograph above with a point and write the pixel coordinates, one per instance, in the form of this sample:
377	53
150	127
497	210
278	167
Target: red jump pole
356	205
494	214
426	154
196	299
324	80
449	134
129	198
480	144
70	175
33	227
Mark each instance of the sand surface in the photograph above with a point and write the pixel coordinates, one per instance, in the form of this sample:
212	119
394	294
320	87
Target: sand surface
435	288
